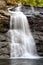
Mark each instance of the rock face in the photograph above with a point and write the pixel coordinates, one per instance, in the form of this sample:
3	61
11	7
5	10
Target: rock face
4	21
4	47
36	26
4	50
4	27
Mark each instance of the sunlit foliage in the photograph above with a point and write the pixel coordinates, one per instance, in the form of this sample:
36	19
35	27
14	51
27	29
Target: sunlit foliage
31	2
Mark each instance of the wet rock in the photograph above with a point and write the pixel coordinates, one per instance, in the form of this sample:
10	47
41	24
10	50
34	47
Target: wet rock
4	56
4	50
8	36
4	23
36	26
3	30
2	37
4	20
39	53
3	44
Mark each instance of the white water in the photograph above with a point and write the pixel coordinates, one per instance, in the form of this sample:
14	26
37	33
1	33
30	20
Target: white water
22	42
32	9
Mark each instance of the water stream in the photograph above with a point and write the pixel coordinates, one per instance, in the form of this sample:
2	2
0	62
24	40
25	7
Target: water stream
22	42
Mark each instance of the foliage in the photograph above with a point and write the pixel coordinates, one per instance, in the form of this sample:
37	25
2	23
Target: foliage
31	2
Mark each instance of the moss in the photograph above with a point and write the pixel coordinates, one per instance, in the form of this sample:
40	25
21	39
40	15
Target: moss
1	25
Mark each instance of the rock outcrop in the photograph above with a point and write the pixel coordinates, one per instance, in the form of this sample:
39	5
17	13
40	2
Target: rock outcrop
36	26
4	27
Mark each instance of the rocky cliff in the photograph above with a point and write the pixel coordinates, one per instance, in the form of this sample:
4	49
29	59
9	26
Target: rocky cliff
36	25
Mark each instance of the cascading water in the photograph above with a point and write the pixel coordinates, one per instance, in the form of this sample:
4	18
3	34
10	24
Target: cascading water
32	9
34	12
22	42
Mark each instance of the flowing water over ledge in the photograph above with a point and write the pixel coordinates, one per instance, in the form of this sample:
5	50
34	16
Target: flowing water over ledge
22	42
18	24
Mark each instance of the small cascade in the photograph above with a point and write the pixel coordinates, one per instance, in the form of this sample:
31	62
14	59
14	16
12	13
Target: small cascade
22	42
34	12
19	7
32	9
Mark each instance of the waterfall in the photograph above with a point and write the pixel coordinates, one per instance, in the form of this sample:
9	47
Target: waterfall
22	42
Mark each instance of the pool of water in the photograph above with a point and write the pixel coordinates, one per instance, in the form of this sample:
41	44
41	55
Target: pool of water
21	62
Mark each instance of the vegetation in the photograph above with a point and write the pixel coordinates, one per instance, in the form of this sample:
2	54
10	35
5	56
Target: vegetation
31	2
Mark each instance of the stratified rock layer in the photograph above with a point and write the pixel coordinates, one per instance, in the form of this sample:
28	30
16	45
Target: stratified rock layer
4	27
36	26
